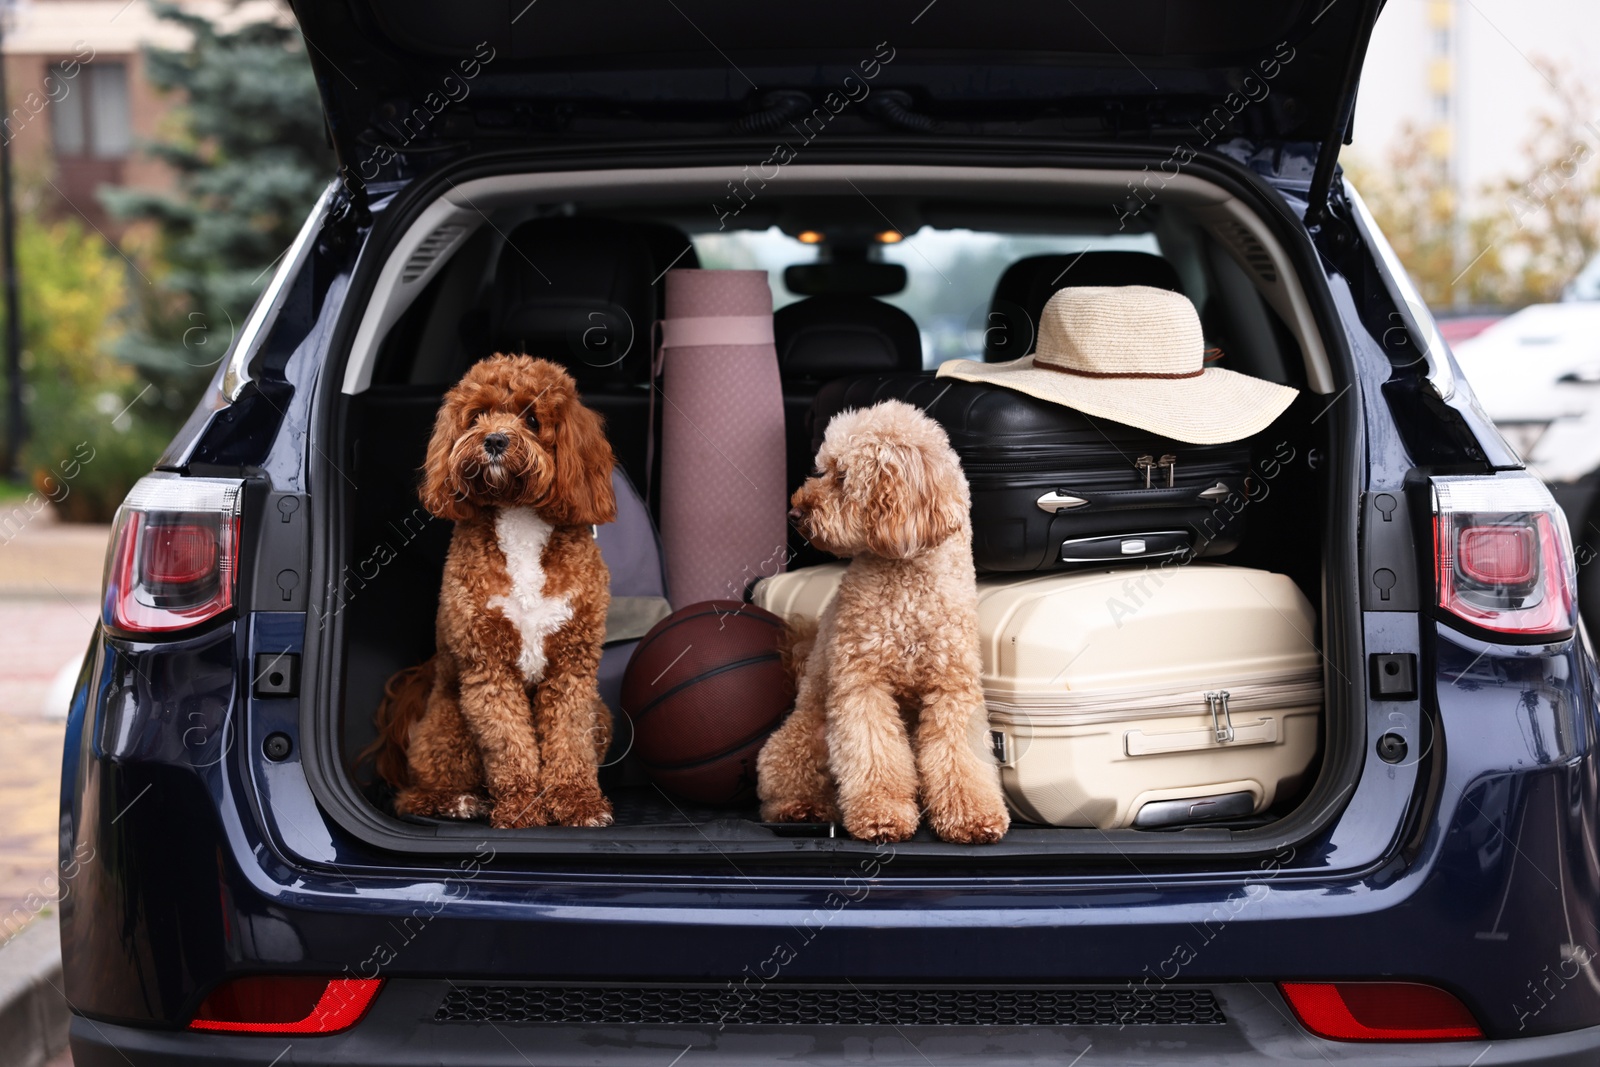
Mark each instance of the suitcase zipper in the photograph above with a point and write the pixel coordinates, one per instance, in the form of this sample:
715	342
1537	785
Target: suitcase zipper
1087	492
1069	708
1149	465
1217	701
1114	473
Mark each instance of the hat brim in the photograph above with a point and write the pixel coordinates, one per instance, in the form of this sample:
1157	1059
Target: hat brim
1214	408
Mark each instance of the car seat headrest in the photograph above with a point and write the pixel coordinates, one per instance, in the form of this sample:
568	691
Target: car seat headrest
834	335
577	291
1026	286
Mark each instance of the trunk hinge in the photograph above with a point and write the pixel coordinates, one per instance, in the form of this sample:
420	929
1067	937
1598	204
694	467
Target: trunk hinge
348	214
1318	195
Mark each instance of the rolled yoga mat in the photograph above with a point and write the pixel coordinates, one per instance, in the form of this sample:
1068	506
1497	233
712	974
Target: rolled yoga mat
724	509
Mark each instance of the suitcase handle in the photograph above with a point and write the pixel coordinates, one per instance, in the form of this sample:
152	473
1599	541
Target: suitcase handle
1067	499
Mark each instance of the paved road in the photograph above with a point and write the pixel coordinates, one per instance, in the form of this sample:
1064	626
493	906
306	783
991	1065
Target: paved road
49	585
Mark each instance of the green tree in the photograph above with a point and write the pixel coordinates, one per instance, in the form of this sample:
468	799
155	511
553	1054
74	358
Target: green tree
1519	239
246	142
1548	217
1417	209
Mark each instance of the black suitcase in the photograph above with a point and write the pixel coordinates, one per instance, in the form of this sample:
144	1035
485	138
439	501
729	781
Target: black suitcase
1054	488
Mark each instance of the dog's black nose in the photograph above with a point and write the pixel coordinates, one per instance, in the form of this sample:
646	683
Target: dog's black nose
795	514
495	445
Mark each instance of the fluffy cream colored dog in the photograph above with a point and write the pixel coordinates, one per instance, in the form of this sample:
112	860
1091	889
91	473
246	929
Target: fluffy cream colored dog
889	707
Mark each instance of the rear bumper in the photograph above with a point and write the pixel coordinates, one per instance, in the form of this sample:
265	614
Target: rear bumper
399	1031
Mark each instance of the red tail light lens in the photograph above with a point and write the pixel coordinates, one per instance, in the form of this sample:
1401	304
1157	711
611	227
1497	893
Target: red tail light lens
1380	1011
1498	555
1502	555
179	555
174	554
286	1004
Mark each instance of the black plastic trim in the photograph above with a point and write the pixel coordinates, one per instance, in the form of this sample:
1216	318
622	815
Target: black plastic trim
397	1031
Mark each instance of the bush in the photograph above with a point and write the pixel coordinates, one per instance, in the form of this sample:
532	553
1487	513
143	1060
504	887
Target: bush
91	450
87	445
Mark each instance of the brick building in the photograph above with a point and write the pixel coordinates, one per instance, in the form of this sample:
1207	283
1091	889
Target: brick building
80	101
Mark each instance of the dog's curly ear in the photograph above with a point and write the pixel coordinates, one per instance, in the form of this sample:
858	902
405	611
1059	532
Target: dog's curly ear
438	492
916	501
581	493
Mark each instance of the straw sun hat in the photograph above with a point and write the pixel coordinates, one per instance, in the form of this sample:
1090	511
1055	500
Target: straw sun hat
1134	354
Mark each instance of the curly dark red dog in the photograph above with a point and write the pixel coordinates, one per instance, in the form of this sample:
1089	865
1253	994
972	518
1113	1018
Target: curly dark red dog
506	718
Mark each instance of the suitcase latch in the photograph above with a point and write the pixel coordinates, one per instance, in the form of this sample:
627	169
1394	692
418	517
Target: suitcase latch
1056	500
1148	465
1221	719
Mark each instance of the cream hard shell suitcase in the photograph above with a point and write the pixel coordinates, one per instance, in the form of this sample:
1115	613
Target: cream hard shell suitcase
1136	697
804	593
1149	697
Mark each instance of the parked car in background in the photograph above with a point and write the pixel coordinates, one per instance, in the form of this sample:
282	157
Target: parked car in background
523	175
1538	374
1456	328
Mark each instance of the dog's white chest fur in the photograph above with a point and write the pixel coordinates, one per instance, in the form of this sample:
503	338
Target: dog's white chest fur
523	535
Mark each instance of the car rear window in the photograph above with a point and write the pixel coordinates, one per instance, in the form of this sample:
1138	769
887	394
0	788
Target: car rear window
950	273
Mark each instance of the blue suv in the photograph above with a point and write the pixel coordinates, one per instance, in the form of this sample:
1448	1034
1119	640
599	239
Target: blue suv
519	174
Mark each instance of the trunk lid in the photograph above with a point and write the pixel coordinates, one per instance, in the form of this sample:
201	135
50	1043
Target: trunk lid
408	85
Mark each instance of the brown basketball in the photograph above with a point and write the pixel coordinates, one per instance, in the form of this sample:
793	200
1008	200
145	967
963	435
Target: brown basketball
703	690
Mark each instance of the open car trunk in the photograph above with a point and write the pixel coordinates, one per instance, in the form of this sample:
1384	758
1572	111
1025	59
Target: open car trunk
442	279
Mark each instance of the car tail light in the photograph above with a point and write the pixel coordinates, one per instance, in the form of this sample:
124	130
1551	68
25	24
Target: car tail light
1502	555
1380	1011
174	554
286	1004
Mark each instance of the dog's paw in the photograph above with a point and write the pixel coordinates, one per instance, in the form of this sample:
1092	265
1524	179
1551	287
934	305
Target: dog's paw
798	811
883	822
468	806
967	820
441	804
578	805
983	830
519	808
